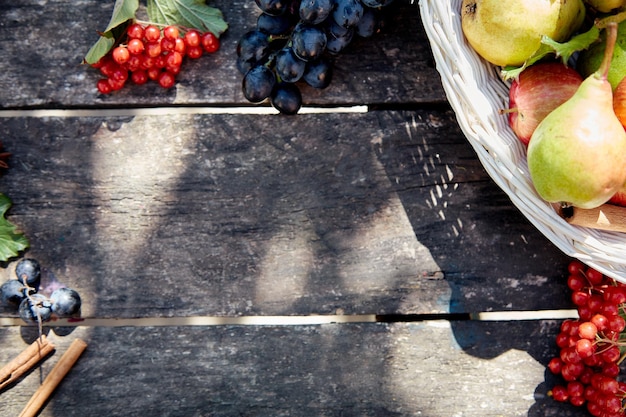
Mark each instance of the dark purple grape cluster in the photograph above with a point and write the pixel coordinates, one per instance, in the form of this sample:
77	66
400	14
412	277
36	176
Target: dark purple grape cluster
295	41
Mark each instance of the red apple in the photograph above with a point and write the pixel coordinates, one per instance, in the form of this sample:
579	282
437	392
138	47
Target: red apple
619	198
537	91
619	101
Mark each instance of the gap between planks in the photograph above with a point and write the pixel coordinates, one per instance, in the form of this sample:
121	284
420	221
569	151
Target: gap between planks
171	110
301	320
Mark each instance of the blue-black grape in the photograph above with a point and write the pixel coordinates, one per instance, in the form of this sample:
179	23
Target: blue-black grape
28	271
319	73
253	47
369	23
347	13
12	292
286	98
274	25
376	3
258	83
275	7
289	67
337	43
35	307
65	302
308	41
315	12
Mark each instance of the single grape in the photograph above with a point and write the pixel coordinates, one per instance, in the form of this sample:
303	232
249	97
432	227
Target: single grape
318	73
286	98
336	44
65	302
289	67
253	47
12	292
258	83
28	271
273	7
308	42
274	25
315	11
35	307
368	24
347	13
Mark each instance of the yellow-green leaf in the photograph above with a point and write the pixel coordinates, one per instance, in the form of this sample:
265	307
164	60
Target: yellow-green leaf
11	241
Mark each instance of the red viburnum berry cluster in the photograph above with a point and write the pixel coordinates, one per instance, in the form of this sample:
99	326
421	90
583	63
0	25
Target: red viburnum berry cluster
591	346
150	53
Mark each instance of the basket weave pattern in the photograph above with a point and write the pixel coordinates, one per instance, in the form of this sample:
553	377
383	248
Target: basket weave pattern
477	94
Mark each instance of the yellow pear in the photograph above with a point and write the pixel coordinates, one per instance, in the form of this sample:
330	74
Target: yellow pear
508	32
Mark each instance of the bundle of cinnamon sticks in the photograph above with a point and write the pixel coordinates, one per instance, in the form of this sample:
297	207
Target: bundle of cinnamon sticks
31	356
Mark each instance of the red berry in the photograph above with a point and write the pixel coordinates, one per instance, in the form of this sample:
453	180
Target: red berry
559	393
617	323
167	79
587	330
594	277
179	46
210	42
580	298
135	46
611	354
168	44
147	62
174	59
600	321
171	32
103	86
139	77
135	31
192	38
121	55
576	267
152	33
194	52
576	282
153	73
134	62
585	348
160	61
116	84
119	74
555	365
153	49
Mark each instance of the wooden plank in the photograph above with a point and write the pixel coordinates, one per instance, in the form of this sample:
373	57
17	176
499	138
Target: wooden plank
471	369
44	44
241	214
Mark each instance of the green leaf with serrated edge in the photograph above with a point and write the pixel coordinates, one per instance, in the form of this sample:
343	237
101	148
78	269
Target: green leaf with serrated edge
188	13
563	50
123	12
11	241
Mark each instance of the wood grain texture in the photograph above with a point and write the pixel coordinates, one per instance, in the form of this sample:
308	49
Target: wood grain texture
44	44
242	214
435	369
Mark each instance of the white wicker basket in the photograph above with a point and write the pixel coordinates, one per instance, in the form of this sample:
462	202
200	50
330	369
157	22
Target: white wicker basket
477	93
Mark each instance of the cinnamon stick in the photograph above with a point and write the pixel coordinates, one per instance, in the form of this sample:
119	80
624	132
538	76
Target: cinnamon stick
54	378
606	217
26	360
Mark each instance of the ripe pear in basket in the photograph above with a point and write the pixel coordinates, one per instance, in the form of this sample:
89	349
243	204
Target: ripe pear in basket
502	33
577	154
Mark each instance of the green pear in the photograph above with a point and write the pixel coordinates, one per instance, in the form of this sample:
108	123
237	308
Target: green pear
508	32
577	154
590	59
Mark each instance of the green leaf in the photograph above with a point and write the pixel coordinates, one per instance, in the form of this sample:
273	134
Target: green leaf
11	241
123	12
188	13
563	50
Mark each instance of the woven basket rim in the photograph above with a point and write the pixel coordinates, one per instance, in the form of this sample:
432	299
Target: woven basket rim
477	94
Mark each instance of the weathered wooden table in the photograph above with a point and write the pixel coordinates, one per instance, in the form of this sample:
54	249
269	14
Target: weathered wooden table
238	264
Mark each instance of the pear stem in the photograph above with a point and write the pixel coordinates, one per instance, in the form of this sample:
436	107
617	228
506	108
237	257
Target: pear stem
611	39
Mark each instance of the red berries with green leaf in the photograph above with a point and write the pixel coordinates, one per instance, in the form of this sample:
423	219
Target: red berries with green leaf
149	53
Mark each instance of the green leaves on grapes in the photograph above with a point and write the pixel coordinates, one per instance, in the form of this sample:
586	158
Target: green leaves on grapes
191	14
11	241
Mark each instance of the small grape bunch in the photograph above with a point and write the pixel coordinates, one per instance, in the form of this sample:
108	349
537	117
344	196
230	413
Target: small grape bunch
23	295
149	53
591	347
295	42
